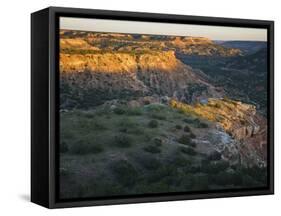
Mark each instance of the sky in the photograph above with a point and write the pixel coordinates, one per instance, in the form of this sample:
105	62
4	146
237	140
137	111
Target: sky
134	27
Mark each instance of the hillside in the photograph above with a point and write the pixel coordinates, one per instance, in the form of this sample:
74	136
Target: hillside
243	78
247	47
131	42
239	120
120	149
125	74
155	114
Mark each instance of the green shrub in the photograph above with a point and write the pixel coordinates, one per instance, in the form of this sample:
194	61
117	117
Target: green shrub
155	107
180	111
119	111
221	165
192	135
123	129
124	172
81	148
201	183
63	147
189	151
186	128
202	125
248	181
205	162
89	115
152	149
196	122
190	120
158	116
227	178
127	123
236	179
179	127
214	167
192	169
133	130
99	126
157	141
95	149
101	112
150	163
123	141
153	123
180	161
186	140
255	172
134	111
163	172
154	187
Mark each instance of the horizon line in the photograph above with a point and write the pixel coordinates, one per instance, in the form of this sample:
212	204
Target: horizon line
169	29
158	35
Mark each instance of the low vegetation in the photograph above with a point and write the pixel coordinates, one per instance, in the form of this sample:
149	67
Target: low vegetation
179	127
186	140
152	149
63	147
82	148
123	141
108	148
153	124
78	51
124	172
187	150
129	151
186	128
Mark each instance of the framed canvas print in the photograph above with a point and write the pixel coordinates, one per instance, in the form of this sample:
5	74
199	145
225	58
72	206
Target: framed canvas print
138	107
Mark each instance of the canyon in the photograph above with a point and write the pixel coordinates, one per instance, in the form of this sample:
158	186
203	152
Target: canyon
152	73
132	42
239	120
172	113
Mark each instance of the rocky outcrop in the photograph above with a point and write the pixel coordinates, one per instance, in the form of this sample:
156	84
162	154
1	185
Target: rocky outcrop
189	45
239	120
216	141
236	118
80	44
99	68
202	47
110	63
139	74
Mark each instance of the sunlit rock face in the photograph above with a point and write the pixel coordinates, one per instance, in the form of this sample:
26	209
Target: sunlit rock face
155	114
189	45
141	74
97	68
240	121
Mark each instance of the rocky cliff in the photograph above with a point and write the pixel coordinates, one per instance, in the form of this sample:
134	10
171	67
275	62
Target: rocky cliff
239	120
139	74
188	45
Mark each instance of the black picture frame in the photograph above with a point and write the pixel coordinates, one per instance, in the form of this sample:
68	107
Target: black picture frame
45	100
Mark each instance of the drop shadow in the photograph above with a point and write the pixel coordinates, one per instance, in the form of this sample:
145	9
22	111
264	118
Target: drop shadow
25	197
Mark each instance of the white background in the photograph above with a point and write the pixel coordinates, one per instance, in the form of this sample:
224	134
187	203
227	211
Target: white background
15	107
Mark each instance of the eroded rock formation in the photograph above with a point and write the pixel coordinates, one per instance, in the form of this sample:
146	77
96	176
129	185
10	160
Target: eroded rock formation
141	74
239	120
